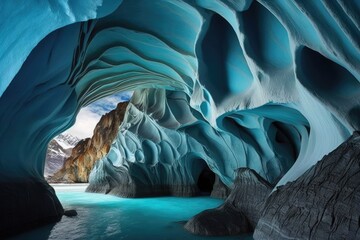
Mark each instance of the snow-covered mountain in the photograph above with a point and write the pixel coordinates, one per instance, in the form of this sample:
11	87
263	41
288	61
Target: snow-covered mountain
87	152
58	150
66	140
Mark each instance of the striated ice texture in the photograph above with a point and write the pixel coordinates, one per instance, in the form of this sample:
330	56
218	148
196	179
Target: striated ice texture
163	143
269	85
25	23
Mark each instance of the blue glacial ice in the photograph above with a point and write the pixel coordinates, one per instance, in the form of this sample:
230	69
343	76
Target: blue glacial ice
270	85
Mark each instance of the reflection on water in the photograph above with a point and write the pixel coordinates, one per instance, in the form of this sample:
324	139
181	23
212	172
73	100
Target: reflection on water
108	217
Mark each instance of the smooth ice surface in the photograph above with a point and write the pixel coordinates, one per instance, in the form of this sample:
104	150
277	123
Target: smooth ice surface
108	217
39	19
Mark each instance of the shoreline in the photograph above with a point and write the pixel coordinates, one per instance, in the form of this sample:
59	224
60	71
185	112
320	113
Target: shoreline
69	187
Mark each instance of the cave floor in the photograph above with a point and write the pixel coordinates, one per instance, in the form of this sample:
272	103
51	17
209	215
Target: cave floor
108	217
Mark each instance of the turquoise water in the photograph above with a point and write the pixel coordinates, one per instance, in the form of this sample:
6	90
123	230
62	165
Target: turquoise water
108	217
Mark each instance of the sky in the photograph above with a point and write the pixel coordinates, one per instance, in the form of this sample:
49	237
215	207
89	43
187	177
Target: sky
90	115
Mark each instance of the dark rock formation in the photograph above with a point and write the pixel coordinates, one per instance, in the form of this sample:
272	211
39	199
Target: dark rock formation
249	194
321	204
84	155
241	210
221	221
70	213
220	190
27	204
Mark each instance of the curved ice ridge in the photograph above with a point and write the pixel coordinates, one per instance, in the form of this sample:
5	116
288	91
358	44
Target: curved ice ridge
24	25
270	85
171	147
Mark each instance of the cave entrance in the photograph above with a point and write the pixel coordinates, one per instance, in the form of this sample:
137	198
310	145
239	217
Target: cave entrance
206	181
96	127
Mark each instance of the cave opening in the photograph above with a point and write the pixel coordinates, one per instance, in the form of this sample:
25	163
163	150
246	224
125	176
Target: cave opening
90	137
206	181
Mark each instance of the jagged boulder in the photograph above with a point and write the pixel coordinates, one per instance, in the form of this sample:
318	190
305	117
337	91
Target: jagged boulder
321	204
220	190
241	210
221	221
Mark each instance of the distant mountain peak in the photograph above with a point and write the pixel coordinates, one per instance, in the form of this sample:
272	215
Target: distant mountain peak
77	167
59	149
66	140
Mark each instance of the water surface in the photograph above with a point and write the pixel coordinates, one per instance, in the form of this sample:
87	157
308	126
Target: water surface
109	217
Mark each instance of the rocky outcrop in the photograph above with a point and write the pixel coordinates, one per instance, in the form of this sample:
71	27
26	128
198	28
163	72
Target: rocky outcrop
241	210
70	213
84	155
221	221
321	204
26	204
249	194
220	190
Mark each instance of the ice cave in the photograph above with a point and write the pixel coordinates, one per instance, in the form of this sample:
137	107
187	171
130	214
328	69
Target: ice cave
253	101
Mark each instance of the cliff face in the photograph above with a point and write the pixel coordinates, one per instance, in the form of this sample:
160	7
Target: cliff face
241	210
321	204
84	155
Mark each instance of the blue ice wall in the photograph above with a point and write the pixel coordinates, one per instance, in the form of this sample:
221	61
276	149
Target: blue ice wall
168	148
271	85
25	23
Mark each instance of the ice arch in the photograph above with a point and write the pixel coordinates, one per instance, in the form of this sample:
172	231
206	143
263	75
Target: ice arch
278	120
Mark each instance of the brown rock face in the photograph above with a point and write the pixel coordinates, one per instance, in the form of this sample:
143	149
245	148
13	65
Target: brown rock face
84	155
